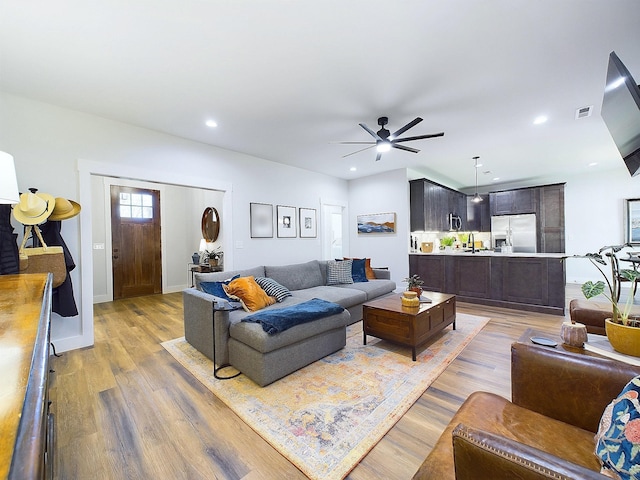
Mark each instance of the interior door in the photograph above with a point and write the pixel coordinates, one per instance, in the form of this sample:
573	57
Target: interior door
135	239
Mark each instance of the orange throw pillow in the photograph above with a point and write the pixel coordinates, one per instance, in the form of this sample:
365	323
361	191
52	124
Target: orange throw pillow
249	293
367	267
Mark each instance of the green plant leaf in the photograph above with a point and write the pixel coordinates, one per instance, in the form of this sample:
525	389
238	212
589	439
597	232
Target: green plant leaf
590	289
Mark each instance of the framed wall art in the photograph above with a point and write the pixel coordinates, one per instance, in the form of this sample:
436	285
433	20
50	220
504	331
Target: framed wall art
287	227
307	220
261	215
377	223
632	221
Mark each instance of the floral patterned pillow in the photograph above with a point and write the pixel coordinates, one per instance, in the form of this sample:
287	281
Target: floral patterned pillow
618	437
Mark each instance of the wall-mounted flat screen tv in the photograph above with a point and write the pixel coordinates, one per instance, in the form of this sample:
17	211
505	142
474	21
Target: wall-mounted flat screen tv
621	112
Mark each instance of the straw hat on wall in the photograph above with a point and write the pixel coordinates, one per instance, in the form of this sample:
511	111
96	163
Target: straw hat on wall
64	209
34	208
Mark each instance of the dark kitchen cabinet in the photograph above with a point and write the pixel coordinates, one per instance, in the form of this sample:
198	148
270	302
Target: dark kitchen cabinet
535	284
513	202
478	214
431	204
551	218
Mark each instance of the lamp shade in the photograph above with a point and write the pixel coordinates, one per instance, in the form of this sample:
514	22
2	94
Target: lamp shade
203	245
8	181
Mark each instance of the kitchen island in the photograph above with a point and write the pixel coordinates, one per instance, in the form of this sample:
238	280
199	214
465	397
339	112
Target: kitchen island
533	282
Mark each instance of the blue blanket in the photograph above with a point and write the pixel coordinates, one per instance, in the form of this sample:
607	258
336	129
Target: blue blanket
275	320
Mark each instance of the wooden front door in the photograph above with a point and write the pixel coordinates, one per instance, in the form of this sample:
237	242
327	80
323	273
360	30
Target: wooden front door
135	239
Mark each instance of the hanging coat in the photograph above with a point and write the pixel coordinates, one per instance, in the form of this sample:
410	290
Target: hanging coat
62	300
9	262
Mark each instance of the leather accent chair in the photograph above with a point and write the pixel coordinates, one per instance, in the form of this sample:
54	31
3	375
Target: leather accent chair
546	431
592	314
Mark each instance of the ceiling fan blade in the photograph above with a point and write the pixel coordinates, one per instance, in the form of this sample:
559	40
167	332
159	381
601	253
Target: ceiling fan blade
378	156
354	143
358	151
419	137
402	147
370	132
412	123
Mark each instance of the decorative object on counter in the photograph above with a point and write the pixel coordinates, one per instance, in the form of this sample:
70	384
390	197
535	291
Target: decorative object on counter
377	223
622	330
214	256
195	258
414	284
426	247
410	299
447	242
464	239
574	334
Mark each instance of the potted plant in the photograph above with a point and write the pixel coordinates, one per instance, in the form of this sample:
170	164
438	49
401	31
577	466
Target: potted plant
213	256
447	242
622	330
464	239
414	284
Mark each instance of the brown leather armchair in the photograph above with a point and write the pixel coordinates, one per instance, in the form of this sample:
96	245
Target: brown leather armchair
546	431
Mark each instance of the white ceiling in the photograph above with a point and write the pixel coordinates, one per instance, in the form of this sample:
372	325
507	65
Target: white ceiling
286	78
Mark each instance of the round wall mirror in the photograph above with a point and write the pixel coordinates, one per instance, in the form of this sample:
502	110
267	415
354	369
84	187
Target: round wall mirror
210	224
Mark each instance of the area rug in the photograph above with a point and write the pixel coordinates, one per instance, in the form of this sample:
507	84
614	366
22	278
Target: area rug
326	417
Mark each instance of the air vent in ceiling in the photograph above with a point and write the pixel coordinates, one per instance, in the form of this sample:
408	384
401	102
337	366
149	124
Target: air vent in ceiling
584	112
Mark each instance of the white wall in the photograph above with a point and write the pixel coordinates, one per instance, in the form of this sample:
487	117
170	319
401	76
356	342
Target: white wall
58	150
594	216
383	193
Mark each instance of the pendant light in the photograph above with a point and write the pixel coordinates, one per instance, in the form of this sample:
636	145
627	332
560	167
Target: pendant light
476	198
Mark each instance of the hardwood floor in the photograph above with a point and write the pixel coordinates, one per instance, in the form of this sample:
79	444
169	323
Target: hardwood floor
125	409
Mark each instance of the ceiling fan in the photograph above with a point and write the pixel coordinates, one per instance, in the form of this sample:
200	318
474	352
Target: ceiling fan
385	140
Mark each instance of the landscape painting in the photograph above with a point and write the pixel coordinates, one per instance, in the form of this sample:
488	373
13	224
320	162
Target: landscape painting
377	223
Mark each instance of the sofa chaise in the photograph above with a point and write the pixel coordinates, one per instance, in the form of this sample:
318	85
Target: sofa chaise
266	358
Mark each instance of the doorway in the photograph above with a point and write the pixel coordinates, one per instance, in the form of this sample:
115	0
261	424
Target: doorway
333	238
135	242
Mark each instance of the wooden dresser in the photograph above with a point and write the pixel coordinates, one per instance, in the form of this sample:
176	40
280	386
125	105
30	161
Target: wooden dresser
26	427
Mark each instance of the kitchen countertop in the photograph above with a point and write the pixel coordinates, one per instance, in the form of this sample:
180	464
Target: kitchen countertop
491	253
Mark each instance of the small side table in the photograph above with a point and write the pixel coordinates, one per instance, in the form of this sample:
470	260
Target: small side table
216	369
202	268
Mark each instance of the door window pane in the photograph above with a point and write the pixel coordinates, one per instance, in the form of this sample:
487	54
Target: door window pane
136	205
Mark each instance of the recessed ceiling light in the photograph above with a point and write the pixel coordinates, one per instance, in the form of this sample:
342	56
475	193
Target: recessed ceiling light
495	179
593	164
539	120
353	169
211	123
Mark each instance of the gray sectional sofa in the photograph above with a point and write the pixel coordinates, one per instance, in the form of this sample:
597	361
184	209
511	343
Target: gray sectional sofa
266	358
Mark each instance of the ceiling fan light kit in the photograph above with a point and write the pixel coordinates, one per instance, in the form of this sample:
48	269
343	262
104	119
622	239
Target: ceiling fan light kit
384	140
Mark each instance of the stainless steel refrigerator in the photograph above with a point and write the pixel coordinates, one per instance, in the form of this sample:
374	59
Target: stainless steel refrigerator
515	233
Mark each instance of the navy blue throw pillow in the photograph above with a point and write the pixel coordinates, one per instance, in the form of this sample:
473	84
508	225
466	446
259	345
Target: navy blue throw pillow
358	272
215	288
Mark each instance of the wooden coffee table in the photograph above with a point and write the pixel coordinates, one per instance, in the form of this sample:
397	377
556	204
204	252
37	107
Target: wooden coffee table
388	319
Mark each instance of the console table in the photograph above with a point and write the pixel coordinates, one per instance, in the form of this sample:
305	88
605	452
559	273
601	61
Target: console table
202	268
26	426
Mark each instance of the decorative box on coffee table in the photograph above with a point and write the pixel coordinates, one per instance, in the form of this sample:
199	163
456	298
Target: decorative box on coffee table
388	319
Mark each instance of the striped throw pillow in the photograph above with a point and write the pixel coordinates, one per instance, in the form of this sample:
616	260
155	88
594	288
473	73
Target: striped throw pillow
339	272
273	288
